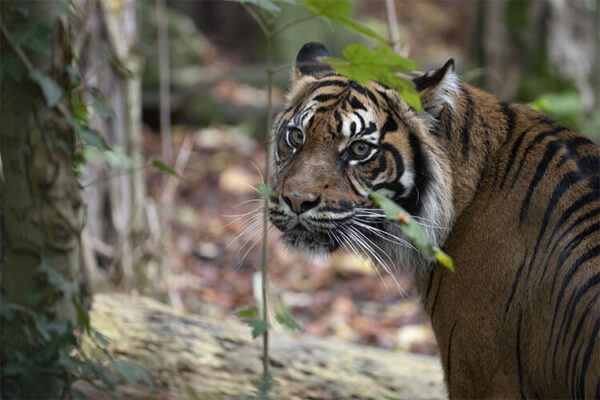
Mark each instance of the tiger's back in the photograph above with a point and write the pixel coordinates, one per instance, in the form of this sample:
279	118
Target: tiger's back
511	195
529	241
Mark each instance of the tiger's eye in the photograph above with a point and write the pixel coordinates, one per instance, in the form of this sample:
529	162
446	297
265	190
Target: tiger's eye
297	136
360	149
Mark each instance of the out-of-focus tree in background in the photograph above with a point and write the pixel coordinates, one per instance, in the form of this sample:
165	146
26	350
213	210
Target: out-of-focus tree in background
116	230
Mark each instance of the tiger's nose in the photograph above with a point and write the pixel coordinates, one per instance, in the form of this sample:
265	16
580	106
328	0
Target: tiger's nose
301	202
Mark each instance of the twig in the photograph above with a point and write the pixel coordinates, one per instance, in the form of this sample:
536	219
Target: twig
264	265
292	23
279	69
258	20
163	73
393	28
180	162
104	179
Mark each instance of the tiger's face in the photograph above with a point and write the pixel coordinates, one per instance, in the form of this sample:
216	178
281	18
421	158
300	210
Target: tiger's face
330	147
336	141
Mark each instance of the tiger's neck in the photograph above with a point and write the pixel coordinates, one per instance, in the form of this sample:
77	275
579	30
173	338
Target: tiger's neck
471	132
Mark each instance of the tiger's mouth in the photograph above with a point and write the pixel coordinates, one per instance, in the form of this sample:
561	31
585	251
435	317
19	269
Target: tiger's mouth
300	238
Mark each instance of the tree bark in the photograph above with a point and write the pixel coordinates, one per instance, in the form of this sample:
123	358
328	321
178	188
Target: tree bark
42	209
195	357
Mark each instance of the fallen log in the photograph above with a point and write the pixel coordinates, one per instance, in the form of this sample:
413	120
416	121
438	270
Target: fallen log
197	357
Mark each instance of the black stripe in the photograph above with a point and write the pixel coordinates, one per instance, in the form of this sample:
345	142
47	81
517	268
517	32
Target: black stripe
435	300
449	358
595	251
579	220
413	202
551	150
486	161
583	201
565	253
330	82
574	371
578	329
372	97
356	104
568	249
509	117
573	301
338	121
326	97
382	166
513	155
431	275
514	286
390	125
519	367
565	183
566	323
464	135
535	141
586	360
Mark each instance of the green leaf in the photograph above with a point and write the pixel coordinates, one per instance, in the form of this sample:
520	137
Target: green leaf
100	338
88	136
444	259
80	110
287	320
74	75
165	168
338	11
264	190
250	312
11	67
329	8
413	231
132	373
100	104
386	397
105	375
259	327
35	37
82	316
363	65
55	278
52	92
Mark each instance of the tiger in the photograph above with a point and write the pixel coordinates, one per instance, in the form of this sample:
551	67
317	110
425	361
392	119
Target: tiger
510	194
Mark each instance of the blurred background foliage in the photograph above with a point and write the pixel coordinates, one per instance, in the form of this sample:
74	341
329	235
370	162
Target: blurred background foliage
215	45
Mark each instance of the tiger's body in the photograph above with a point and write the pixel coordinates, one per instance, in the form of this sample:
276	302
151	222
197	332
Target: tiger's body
511	195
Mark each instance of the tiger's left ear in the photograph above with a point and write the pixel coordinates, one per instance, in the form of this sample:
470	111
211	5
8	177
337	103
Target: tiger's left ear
436	88
308	63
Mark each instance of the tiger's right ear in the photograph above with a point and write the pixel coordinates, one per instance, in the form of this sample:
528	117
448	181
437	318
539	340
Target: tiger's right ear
307	61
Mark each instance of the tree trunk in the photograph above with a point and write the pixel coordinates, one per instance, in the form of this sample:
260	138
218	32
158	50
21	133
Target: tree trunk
114	193
196	357
42	210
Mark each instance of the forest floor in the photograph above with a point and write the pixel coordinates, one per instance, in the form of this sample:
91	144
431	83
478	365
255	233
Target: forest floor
215	253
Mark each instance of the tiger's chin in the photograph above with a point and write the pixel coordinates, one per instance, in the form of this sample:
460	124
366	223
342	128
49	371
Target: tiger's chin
300	239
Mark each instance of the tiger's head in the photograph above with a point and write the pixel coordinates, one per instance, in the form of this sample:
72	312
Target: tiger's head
337	139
